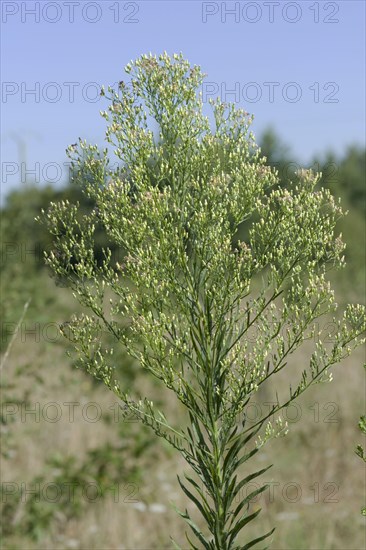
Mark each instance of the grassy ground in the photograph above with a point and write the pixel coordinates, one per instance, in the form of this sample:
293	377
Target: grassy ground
124	480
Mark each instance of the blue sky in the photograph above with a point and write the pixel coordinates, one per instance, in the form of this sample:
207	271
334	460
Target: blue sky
298	66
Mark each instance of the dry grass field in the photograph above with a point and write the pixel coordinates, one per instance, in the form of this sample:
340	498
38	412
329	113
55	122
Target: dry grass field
93	481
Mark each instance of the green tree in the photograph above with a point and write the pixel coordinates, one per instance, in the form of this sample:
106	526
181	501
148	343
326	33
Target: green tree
23	242
188	293
278	155
345	175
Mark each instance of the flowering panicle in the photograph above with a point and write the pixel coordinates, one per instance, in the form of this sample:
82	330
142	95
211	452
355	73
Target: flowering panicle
223	275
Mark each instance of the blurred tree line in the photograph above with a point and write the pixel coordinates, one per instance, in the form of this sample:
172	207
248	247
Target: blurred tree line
23	240
345	177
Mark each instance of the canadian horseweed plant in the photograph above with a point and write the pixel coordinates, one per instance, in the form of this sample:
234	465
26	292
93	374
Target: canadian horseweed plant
189	291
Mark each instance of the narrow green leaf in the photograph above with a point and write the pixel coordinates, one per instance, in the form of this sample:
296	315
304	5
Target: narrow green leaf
247	500
249	478
259	539
240	524
207	514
